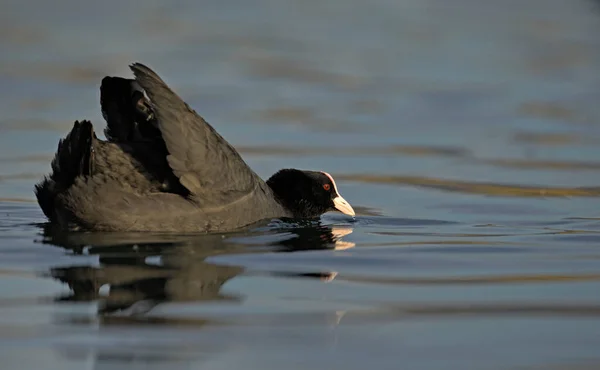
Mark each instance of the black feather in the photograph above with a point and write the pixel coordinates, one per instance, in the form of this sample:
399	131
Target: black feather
74	158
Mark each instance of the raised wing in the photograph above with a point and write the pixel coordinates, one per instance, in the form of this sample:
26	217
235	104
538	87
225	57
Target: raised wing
205	163
126	111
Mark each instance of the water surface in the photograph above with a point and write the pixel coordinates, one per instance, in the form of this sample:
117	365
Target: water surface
464	133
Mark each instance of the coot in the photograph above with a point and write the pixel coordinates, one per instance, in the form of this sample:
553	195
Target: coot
164	168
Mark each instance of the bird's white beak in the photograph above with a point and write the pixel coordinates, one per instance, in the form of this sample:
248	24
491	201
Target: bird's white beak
341	205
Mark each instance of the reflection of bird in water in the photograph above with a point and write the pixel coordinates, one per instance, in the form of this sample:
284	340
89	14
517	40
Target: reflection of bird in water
142	271
314	238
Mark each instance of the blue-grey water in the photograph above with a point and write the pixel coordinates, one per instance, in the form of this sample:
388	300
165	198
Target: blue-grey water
466	134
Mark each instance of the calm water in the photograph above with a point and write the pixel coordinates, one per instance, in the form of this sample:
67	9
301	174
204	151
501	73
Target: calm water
466	134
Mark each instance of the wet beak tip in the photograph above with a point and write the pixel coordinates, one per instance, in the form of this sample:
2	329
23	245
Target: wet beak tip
343	206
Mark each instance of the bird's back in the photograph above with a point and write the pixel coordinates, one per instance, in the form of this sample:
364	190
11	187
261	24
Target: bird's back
128	181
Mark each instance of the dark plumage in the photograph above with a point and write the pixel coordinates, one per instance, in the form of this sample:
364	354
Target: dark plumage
303	192
164	168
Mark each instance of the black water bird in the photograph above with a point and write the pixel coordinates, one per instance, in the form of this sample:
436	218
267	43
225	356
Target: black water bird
164	168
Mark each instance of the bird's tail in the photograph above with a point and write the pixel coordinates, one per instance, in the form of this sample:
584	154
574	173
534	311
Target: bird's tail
74	158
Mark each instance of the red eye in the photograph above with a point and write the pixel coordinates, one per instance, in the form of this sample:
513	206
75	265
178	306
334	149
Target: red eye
326	187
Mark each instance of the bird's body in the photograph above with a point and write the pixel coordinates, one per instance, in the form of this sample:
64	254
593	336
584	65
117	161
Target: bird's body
163	168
